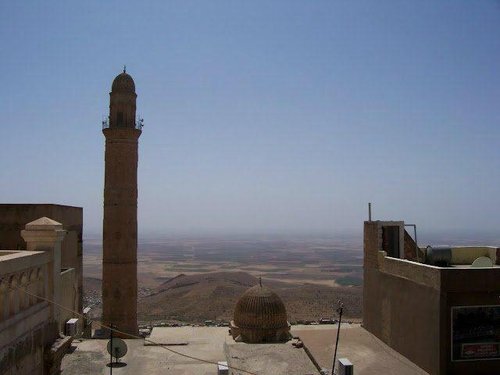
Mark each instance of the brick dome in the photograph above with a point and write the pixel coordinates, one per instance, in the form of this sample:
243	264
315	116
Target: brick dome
260	316
123	83
259	307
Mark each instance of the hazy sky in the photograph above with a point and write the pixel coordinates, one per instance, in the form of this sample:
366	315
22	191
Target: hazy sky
260	116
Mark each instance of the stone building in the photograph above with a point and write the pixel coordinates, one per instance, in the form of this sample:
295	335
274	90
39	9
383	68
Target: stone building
437	306
31	328
119	271
13	218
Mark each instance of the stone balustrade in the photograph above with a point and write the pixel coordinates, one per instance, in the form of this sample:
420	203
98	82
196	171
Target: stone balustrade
21	271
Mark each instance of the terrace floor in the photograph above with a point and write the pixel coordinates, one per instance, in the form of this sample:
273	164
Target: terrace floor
368	354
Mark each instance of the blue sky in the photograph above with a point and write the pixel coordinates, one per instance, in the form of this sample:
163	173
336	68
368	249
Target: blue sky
260	116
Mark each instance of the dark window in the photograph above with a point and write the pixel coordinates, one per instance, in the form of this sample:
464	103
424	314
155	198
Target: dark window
119	119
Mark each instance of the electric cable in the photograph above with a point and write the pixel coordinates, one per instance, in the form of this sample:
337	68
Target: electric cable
130	335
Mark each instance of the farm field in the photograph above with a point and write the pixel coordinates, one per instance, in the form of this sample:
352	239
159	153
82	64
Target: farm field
192	280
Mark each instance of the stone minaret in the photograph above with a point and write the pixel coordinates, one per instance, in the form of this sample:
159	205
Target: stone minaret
119	265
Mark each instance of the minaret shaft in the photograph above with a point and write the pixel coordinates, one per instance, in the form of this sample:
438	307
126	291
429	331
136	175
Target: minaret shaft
119	277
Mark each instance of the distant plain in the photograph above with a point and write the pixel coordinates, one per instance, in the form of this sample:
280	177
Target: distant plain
192	280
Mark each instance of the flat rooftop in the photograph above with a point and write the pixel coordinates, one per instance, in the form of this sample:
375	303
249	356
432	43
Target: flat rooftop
369	355
91	357
276	359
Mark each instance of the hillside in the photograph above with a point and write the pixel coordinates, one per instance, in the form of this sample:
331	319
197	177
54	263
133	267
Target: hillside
198	297
195	298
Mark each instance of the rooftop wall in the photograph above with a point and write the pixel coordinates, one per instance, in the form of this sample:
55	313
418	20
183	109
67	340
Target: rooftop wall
403	313
409	305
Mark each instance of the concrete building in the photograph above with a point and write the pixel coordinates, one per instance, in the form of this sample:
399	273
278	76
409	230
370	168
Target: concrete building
119	272
31	328
437	306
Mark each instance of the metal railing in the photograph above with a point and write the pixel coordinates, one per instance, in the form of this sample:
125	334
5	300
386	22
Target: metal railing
139	124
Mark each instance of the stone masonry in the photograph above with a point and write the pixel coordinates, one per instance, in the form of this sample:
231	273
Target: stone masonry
119	287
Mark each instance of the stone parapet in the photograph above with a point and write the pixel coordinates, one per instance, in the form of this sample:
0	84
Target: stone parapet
419	273
20	270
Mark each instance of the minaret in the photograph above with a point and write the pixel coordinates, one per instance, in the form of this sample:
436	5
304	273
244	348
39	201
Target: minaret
119	263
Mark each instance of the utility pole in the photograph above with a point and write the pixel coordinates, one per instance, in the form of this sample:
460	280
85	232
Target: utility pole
340	310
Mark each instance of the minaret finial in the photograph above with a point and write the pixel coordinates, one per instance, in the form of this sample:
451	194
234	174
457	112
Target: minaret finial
124	68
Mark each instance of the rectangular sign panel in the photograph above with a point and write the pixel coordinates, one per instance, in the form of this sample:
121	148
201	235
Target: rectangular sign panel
475	332
484	350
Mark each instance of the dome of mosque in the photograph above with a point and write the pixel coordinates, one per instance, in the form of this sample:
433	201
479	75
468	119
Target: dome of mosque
260	308
123	83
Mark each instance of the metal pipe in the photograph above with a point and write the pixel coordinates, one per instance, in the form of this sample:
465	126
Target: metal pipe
416	242
369	211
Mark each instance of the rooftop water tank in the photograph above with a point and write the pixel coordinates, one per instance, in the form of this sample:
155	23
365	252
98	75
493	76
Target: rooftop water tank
439	256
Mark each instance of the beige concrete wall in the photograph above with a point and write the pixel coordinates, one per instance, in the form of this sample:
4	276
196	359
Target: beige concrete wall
422	274
404	315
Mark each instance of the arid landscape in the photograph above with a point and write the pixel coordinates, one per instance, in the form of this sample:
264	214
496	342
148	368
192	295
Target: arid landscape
190	281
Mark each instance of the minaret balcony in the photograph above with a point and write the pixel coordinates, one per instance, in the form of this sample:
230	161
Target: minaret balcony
139	123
